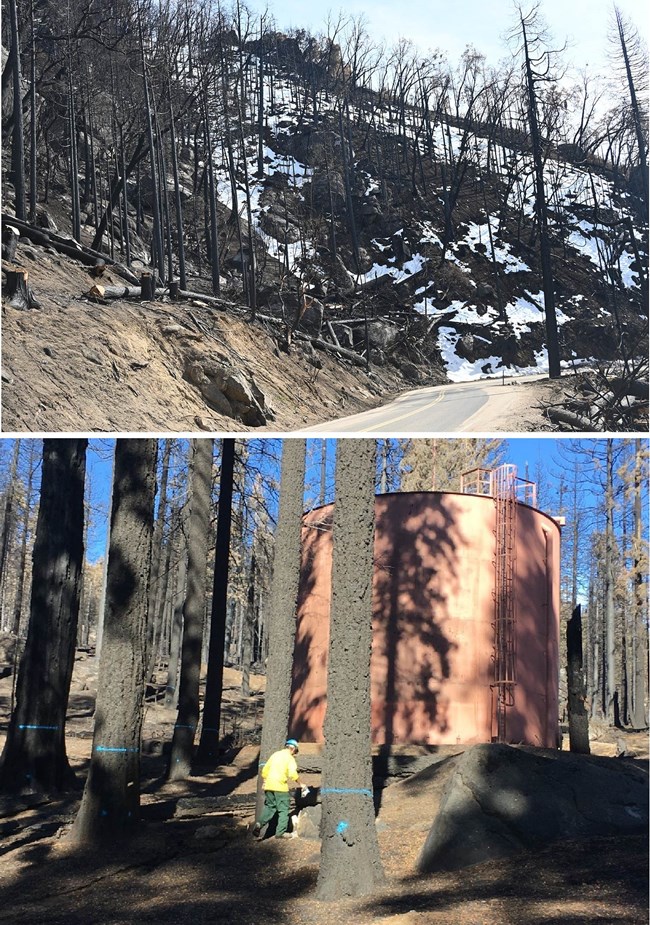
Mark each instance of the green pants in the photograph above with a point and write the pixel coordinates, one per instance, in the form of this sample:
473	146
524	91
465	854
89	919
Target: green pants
276	801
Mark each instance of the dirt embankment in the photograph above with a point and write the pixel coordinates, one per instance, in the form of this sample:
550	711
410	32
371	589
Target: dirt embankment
75	365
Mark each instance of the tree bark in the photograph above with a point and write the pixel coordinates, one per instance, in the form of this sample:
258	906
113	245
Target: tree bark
552	345
578	716
283	603
34	756
210	731
350	862
110	806
200	489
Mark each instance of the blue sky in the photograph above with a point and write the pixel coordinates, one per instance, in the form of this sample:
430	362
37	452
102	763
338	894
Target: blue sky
451	26
532	456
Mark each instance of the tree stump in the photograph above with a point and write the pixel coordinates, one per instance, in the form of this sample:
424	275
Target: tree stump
147	286
174	286
20	293
10	237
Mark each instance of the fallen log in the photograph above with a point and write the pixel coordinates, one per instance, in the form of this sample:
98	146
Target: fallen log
113	292
69	247
332	348
210	299
20	293
560	416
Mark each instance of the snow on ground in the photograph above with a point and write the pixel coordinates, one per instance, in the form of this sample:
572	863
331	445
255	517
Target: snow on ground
480	234
407	270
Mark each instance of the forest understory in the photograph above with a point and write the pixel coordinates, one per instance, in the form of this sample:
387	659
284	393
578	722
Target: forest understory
195	861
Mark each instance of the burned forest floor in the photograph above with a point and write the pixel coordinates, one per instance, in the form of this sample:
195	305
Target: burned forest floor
77	364
194	860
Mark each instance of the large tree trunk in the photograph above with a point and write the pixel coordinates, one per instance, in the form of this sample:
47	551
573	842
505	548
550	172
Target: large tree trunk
207	750
180	763
283	603
577	694
110	807
34	757
350	863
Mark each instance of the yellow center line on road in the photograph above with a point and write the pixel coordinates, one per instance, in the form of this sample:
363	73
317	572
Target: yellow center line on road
402	417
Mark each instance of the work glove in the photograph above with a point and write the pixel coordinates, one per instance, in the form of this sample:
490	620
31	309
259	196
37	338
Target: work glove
304	792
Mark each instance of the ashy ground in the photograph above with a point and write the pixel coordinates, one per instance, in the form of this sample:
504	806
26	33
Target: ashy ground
74	365
196	863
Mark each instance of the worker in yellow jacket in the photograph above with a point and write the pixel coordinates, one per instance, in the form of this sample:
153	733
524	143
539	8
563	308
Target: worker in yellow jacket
279	769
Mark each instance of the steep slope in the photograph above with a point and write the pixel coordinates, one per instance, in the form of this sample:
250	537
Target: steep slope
398	233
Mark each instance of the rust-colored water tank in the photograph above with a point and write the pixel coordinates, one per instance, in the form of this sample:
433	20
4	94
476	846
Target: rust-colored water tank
461	654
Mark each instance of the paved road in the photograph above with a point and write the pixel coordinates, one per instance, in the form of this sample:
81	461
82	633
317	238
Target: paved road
461	406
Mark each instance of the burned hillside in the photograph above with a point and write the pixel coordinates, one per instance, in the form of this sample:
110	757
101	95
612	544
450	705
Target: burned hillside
372	207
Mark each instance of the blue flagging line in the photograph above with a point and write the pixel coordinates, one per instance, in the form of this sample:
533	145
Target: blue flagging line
362	791
33	726
209	729
182	726
107	748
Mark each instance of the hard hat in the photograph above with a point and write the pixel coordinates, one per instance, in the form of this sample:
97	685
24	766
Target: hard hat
292	743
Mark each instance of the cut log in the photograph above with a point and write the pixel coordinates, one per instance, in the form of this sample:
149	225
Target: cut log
559	416
348	354
20	293
630	387
67	246
113	292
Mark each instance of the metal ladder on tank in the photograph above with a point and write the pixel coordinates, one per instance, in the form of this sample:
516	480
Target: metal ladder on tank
504	492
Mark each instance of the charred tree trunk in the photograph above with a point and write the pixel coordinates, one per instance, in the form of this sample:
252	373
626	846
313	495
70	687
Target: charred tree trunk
283	603
110	806
34	756
18	138
180	762
210	731
578	716
350	863
553	347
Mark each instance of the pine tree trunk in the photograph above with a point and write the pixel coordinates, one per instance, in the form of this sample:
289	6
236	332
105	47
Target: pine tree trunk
611	693
157	552
210	730
34	756
110	806
171	692
577	695
199	500
283	603
350	862
640	629
18	138
20	589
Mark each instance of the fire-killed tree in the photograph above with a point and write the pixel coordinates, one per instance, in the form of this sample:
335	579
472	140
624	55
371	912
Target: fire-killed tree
34	757
537	65
199	492
110	805
209	742
283	601
350	862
